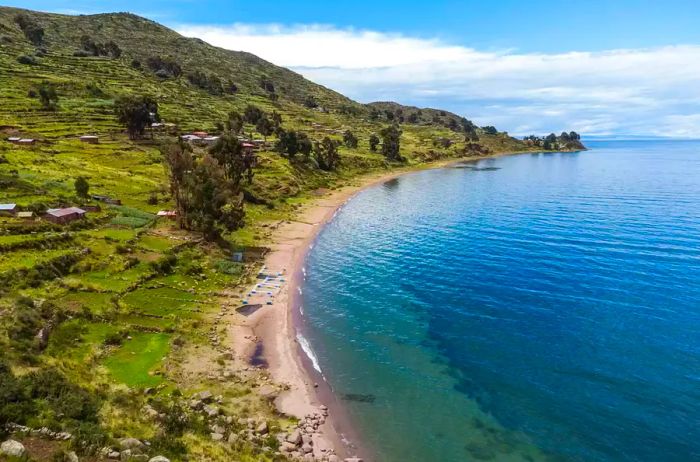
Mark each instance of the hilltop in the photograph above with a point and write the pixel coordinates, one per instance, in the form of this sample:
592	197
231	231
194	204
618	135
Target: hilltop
118	324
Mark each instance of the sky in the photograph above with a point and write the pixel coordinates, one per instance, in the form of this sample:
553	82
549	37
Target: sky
602	68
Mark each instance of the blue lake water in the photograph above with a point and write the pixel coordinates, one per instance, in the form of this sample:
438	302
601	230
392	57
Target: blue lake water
546	309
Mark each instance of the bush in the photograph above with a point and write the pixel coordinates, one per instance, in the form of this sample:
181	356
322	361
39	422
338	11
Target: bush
28	60
164	265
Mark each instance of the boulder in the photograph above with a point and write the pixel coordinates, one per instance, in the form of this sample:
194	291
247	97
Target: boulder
13	448
217	437
113	455
262	429
205	396
72	457
159	459
211	411
131	443
294	437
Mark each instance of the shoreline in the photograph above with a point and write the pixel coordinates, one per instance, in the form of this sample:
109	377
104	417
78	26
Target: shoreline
275	326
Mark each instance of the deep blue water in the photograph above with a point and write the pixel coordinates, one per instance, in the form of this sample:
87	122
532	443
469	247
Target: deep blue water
546	310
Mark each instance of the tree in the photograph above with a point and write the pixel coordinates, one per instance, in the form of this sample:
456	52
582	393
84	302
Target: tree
373	142
304	144
326	154
391	142
136	112
236	161
234	124
288	143
350	139
252	114
112	49
276	120
264	127
490	130
179	165
82	187
48	96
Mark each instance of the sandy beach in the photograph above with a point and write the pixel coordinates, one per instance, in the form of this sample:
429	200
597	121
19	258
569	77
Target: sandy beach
269	332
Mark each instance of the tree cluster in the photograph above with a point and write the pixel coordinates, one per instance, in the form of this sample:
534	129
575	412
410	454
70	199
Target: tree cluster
570	140
208	191
31	29
90	48
164	67
208	82
291	142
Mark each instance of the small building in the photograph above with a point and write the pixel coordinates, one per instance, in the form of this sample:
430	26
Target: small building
92	139
170	214
14	139
26	142
65	215
25	215
8	209
201	134
210	140
191	138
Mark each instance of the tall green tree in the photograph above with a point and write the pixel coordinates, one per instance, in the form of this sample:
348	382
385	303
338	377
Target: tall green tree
137	113
234	122
265	127
48	96
236	161
82	187
391	142
326	154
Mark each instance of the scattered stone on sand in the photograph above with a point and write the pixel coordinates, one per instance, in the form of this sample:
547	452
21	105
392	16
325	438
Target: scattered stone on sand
13	448
205	396
294	437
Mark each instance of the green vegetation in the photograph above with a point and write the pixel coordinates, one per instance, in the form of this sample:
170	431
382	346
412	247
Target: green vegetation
96	311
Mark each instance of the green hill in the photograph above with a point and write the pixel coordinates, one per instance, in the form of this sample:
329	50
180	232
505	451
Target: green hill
126	305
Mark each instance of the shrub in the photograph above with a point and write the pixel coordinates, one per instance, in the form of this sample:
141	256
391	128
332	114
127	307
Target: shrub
28	60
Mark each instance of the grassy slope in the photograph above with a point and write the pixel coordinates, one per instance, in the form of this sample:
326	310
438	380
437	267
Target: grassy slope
112	289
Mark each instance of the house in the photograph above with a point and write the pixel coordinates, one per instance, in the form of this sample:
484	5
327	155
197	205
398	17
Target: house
25	215
14	139
65	215
92	139
201	134
191	138
26	142
8	209
210	140
171	214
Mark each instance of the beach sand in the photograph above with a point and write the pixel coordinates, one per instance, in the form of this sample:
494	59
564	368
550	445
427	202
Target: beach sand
275	325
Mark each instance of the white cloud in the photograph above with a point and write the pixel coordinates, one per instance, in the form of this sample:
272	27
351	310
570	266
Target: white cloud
646	91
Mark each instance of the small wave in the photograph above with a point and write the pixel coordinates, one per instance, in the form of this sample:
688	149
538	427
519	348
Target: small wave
301	310
300	291
309	352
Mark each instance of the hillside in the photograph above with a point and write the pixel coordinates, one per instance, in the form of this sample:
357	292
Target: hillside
110	324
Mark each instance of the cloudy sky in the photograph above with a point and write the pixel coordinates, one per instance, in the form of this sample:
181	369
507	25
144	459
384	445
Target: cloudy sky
600	68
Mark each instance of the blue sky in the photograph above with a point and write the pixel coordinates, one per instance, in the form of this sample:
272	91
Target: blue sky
611	67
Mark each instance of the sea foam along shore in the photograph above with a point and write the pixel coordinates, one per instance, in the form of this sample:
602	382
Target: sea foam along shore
279	327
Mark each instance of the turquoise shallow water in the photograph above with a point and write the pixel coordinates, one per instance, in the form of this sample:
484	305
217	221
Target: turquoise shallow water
546	309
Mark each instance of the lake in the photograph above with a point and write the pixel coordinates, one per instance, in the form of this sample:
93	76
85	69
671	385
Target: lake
521	308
